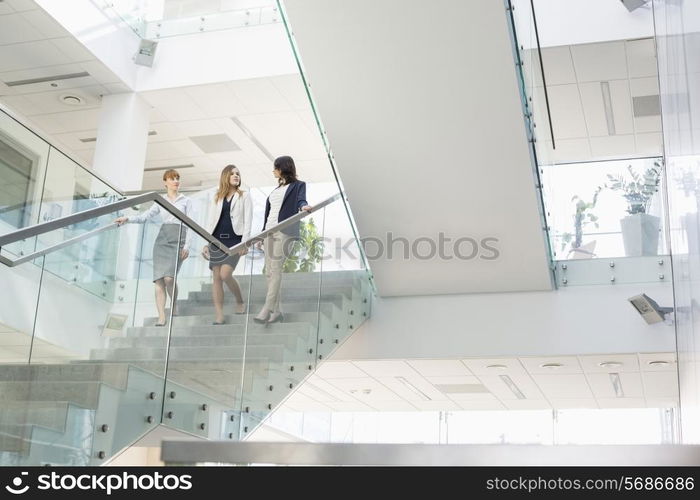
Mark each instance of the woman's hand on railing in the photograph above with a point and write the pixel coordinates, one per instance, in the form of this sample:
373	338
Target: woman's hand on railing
205	252
184	253
121	220
306	208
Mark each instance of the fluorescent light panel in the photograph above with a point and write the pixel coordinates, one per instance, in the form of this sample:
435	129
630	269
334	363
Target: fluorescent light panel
512	386
176	167
45	79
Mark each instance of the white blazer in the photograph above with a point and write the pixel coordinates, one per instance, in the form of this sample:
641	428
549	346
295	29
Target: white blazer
241	215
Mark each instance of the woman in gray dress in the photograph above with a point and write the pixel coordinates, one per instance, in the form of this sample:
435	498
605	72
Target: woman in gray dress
172	238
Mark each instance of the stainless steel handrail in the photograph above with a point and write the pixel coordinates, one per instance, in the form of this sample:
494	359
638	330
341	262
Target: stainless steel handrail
68	220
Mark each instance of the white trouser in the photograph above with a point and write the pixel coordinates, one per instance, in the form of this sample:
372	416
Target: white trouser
277	248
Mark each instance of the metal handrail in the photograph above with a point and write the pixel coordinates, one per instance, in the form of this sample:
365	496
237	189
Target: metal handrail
68	220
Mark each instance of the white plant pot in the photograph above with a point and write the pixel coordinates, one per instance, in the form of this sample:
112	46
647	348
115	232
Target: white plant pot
640	234
586	251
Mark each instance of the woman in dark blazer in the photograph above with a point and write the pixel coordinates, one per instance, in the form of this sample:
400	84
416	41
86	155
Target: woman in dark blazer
286	200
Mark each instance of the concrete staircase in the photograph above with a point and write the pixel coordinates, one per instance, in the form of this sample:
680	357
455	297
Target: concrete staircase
213	381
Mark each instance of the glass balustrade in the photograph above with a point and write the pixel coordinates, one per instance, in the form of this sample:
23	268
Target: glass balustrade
101	354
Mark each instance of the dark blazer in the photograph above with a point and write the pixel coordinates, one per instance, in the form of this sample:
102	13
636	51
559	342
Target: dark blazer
294	199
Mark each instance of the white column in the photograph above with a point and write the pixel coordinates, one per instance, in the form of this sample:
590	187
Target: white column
122	138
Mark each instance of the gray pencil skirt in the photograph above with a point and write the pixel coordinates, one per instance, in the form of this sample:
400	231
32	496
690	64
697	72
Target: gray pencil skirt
166	261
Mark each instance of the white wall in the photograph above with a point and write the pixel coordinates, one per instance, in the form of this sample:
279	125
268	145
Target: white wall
421	106
570	321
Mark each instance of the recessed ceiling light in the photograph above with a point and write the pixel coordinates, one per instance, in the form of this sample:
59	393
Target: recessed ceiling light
610	364
659	363
72	100
551	366
497	367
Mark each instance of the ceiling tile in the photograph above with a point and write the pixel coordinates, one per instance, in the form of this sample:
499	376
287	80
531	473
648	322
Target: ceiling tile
165	131
73	121
563	386
436	405
649	362
527	404
349	406
566	112
339	369
16	29
644	86
173	149
259	95
392	406
30	55
486	404
216	100
651	144
50	102
591	363
660	385
602	385
367	390
174	104
662	403
292	88
622	403
20	104
641	58
284	133
412	388
22	5
569	364
500	387
613	146
198	127
73	49
558	66
47	25
100	72
386	368
453	380
567	150
438	367
493	366
600	61
621	106
573	403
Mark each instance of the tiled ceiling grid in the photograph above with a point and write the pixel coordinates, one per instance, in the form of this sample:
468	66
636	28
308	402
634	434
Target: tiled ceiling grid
528	383
593	90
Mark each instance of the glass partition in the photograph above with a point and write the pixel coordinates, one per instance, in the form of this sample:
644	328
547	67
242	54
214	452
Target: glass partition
153	19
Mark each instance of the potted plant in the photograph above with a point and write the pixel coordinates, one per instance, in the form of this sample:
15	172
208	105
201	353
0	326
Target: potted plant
640	230
582	217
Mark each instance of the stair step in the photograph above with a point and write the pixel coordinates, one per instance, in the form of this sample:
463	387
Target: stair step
114	374
204	316
85	394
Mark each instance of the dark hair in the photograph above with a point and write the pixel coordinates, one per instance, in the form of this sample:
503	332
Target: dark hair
288	172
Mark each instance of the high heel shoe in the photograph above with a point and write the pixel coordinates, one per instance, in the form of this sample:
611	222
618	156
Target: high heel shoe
262	316
275	317
240	308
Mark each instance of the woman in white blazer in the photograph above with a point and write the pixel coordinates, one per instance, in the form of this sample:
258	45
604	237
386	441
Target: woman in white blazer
230	220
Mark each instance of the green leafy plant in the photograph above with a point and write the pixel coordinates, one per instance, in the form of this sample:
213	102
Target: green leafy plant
637	189
307	250
582	217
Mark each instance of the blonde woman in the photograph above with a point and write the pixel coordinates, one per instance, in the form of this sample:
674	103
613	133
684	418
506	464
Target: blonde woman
172	238
230	220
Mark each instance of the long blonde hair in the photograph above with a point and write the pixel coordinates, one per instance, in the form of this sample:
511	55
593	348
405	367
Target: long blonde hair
225	184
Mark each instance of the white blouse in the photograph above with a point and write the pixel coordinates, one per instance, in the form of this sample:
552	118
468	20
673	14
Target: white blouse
182	203
276	198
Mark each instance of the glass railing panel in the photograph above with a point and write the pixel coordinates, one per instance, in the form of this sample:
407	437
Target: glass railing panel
645	269
23	158
207	342
345	286
17	310
284	316
97	358
607	209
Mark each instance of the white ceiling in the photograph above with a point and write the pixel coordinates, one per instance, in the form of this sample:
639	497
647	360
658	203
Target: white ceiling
426	384
574	74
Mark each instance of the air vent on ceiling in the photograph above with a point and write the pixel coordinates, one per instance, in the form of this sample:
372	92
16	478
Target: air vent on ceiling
217	143
94	139
646	105
461	388
45	79
176	167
